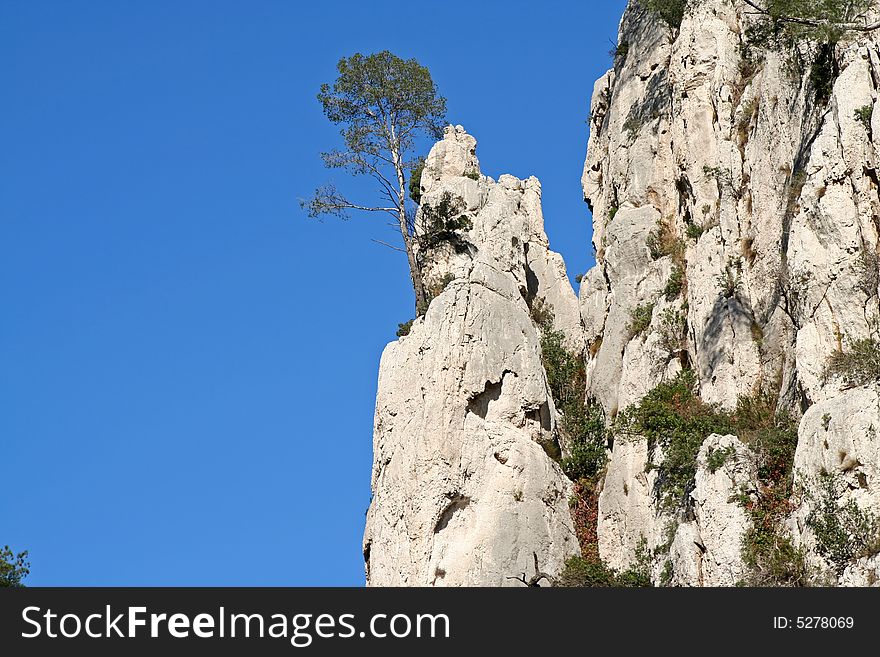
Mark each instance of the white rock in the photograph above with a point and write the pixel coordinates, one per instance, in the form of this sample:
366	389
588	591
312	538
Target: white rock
840	437
686	556
704	550
454	156
865	572
721	519
463	492
780	195
771	202
627	510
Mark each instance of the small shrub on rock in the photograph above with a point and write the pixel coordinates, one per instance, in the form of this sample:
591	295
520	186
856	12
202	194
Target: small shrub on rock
858	365
863	115
843	532
670	11
662	241
415	181
675	284
673	331
443	222
640	320
718	458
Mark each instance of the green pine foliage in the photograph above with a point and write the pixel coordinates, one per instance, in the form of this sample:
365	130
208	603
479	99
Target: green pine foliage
415	180
13	568
443	222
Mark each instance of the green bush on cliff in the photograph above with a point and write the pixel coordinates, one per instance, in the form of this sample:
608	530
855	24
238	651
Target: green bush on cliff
582	423
588	570
674	418
415	181
844	532
671	11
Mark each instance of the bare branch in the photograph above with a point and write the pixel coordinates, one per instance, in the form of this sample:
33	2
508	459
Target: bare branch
390	246
360	165
534	580
327	200
389	194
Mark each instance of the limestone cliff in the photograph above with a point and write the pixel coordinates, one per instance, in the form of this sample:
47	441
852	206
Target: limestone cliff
736	204
464	492
735	209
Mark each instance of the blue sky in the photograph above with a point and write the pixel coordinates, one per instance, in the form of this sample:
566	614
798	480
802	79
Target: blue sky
187	363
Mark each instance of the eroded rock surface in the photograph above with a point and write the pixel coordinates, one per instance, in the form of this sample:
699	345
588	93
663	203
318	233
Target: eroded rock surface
464	492
735	213
714	159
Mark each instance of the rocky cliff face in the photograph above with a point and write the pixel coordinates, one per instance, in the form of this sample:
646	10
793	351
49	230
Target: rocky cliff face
464	492
735	209
738	209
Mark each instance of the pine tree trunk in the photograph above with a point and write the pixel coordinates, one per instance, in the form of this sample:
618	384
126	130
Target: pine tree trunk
415	273
409	241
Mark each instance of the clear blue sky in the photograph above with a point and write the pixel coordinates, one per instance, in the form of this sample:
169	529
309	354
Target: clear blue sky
187	363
